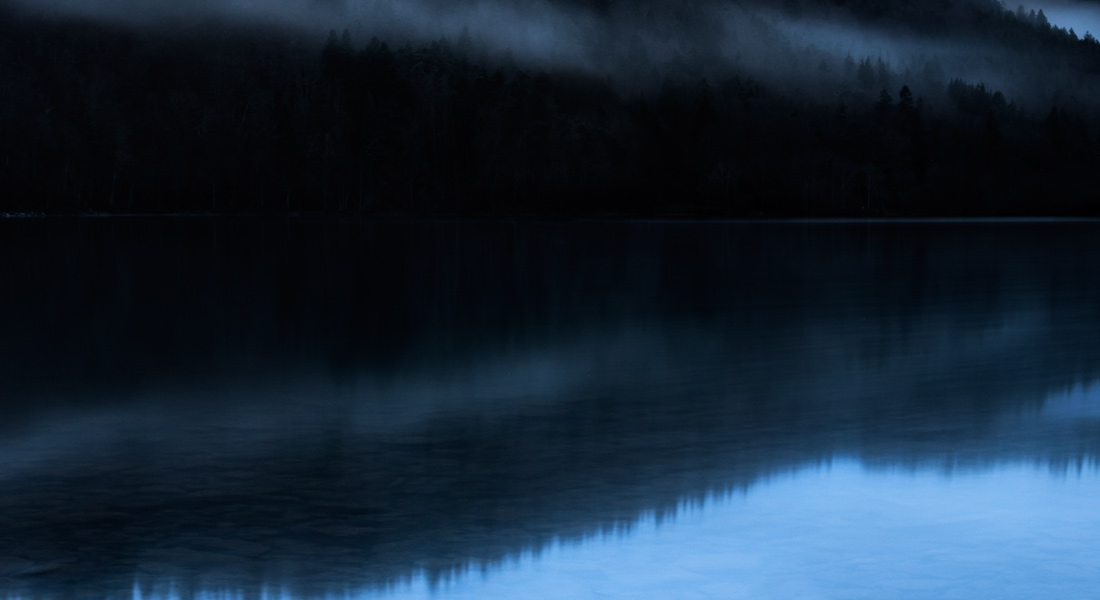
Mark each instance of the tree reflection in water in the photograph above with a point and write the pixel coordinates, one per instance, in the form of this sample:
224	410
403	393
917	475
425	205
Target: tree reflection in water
320	407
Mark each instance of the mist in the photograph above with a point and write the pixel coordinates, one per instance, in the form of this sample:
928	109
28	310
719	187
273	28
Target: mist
394	100
638	46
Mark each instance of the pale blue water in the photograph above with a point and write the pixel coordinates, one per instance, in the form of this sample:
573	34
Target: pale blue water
831	531
317	409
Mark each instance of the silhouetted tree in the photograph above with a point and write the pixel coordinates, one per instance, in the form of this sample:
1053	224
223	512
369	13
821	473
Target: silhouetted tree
866	73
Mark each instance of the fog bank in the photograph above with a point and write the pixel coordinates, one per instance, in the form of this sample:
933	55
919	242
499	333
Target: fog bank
640	45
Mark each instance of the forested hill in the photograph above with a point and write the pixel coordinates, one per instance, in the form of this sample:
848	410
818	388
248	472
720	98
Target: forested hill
785	107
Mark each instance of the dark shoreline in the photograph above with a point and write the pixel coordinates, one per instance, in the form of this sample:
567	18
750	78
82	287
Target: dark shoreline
538	218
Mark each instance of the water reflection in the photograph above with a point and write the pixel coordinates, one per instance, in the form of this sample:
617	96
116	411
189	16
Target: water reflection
320	408
836	530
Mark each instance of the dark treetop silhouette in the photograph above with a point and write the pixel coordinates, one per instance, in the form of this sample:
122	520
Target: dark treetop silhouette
764	116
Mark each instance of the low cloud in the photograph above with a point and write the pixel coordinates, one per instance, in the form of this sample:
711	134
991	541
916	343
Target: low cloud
638	45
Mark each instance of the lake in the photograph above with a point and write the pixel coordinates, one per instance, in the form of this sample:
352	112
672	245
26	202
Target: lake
314	408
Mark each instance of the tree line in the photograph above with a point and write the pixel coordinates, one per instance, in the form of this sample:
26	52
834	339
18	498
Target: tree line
99	119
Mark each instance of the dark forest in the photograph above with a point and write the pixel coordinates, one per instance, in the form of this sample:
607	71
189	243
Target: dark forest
229	117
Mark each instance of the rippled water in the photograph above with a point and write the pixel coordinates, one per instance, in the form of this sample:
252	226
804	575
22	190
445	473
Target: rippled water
202	408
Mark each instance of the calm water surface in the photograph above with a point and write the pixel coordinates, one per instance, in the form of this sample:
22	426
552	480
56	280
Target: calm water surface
199	408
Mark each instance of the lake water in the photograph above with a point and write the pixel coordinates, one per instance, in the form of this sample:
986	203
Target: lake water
219	408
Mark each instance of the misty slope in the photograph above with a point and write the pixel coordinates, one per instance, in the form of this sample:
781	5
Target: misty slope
650	108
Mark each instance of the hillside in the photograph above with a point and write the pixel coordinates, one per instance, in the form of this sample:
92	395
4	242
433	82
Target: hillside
800	107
